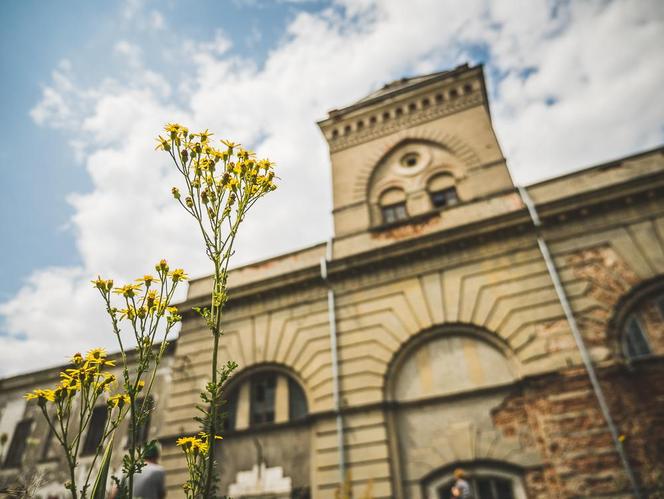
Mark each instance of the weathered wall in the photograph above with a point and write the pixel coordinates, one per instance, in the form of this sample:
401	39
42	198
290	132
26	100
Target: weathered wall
565	425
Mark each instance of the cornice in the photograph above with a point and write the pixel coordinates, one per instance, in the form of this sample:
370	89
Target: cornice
400	118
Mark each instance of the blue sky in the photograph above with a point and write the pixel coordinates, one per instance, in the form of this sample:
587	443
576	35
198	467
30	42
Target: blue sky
35	37
87	84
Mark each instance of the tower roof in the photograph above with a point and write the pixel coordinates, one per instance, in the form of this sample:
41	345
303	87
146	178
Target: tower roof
400	86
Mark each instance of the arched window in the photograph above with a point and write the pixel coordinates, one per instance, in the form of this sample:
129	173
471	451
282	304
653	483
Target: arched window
263	398
639	320
449	363
393	206
442	191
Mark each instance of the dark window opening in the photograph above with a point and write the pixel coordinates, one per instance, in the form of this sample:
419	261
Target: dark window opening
635	343
95	430
46	452
347	129
412	106
445	197
399	112
386	116
335	133
297	402
263	391
143	429
394	213
229	410
372	120
454	93
483	487
467	88
360	125
18	444
439	98
426	102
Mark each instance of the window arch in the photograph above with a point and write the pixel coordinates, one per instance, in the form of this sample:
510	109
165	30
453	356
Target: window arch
393	205
639	320
447	361
442	190
264	397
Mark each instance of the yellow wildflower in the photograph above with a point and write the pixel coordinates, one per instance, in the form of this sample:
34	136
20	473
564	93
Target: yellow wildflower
178	275
128	290
204	135
229	144
41	394
119	400
162	266
103	284
162	144
147	279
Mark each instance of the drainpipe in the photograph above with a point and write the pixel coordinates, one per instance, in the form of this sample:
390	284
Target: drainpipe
335	361
580	343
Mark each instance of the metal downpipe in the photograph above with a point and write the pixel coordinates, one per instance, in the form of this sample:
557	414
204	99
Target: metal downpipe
578	338
331	313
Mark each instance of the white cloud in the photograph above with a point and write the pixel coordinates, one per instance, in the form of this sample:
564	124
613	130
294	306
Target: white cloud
593	72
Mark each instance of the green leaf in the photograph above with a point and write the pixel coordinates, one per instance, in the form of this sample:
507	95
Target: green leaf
99	487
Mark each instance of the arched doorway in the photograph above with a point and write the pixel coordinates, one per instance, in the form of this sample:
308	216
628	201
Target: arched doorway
443	385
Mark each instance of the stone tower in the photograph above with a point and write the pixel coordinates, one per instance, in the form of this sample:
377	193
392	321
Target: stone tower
419	155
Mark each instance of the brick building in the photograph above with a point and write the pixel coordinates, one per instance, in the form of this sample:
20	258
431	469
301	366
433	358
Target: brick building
452	320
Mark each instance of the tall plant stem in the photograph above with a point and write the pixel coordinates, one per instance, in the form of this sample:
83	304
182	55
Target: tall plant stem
215	359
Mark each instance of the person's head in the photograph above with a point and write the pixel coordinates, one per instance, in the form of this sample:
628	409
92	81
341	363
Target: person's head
152	452
459	473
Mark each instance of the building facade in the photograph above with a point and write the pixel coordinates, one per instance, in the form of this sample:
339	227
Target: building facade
450	322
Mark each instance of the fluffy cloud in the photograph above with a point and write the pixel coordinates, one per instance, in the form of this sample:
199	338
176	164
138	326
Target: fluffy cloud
571	84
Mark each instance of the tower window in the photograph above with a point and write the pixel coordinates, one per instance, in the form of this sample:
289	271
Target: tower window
399	112
393	205
18	444
372	121
360	125
335	133
444	197
426	102
454	93
412	107
394	213
386	115
347	129
439	98
467	88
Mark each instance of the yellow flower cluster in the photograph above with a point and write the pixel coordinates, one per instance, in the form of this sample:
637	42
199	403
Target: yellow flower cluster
196	445
142	301
86	373
119	400
215	174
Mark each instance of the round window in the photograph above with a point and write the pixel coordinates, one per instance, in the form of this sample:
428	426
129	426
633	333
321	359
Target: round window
410	160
